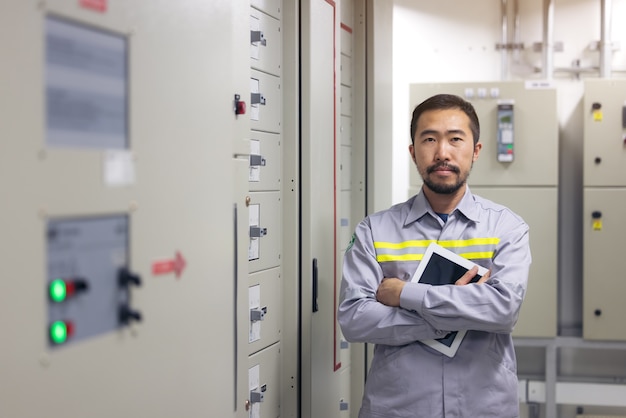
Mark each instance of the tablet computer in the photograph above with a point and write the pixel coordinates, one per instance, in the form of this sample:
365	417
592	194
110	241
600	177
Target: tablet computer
440	266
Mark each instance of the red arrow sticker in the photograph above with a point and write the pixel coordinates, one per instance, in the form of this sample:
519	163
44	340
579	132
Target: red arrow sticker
176	265
98	5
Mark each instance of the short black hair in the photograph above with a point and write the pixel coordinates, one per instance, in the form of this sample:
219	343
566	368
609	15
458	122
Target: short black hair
446	101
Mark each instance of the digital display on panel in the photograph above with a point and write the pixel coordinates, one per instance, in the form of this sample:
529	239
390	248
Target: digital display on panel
86	86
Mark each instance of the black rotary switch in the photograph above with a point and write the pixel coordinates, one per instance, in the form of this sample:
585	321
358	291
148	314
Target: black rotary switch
126	315
126	278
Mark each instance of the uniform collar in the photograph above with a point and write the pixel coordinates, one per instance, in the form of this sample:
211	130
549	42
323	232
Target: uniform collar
421	207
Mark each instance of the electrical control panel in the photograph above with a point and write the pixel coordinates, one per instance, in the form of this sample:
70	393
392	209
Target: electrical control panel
604	197
517	120
265	210
505	131
124	219
88	282
604	145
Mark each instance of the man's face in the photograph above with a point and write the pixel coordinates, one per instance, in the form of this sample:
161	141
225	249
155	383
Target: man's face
443	149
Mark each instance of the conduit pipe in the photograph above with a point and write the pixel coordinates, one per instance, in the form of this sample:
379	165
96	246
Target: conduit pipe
516	32
504	41
548	39
605	39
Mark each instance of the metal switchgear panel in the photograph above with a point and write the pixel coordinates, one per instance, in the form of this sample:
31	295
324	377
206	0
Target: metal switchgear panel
535	128
92	94
265	42
265	231
604	274
538	317
266	313
264	383
265	161
604	200
84	259
517	120
605	133
265	209
265	102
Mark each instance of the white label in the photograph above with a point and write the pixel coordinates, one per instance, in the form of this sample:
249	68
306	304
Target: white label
539	84
119	168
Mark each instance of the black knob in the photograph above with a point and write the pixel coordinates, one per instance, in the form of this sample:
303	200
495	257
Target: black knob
597	312
126	278
81	285
126	314
598	160
596	214
596	106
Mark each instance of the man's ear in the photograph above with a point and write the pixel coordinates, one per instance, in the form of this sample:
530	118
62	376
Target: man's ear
412	152
477	149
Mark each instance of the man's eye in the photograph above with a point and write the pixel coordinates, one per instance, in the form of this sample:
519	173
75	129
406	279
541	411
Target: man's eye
456	138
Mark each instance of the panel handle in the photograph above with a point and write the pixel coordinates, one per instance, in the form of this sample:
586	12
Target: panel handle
235	307
315	285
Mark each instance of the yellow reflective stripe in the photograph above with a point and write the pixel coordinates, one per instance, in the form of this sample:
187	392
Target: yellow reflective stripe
469	242
473	256
447	244
405	244
420	245
381	258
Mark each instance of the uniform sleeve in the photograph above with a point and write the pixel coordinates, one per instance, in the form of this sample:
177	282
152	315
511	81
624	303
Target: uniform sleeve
492	306
361	317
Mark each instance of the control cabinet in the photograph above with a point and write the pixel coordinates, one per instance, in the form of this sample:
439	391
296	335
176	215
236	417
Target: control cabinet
265	209
517	167
604	197
124	218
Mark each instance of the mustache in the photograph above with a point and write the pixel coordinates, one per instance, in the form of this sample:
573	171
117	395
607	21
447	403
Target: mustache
437	166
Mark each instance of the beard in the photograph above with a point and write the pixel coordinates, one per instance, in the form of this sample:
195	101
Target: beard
442	188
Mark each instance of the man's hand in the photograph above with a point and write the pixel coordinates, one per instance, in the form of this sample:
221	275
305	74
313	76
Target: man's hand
388	292
467	277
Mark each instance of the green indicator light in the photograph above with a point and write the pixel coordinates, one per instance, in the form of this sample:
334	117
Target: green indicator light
58	290
58	332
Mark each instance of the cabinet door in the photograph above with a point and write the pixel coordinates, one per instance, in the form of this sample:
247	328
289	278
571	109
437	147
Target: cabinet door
604	276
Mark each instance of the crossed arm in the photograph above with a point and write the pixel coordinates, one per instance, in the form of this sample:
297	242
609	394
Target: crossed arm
389	291
392	311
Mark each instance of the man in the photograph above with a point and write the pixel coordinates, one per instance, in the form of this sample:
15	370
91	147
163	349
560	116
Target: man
380	305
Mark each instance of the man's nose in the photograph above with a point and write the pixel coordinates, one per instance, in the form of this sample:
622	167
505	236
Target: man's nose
442	152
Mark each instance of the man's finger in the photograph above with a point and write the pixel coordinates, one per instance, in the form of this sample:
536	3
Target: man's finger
467	277
485	277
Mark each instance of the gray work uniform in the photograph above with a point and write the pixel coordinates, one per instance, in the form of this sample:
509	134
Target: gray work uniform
408	379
